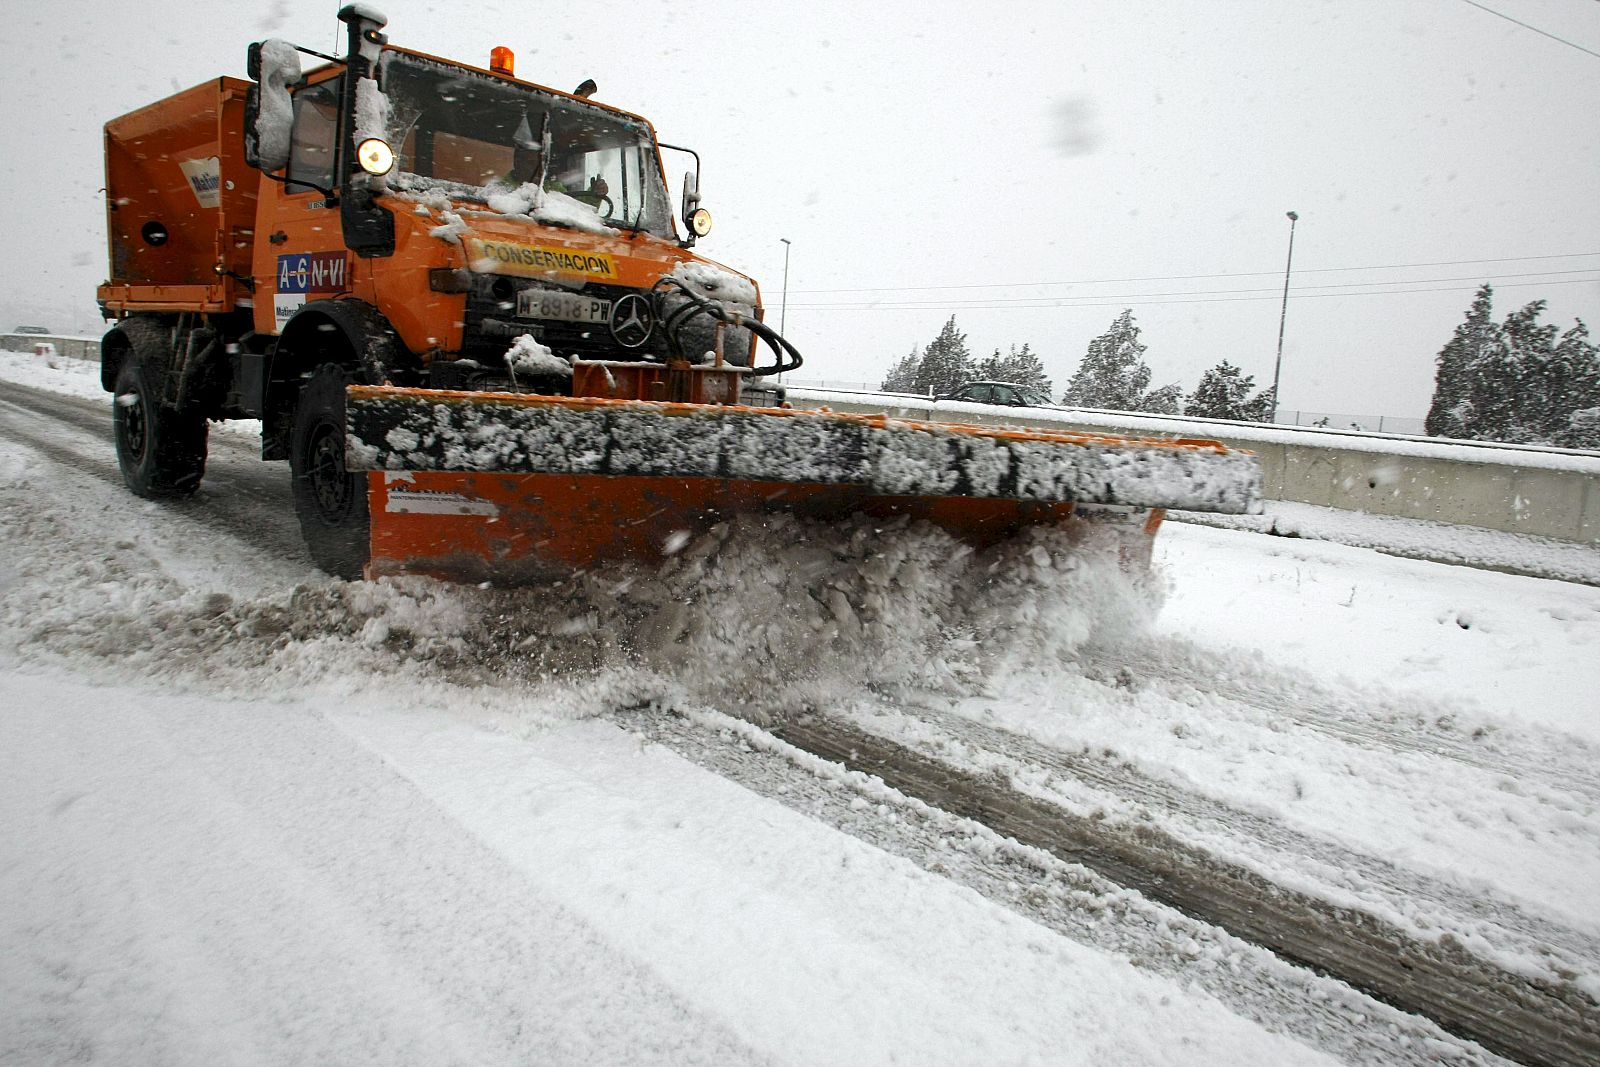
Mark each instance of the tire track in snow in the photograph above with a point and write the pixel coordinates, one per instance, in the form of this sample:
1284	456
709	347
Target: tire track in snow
240	495
1073	900
1527	1020
1354	876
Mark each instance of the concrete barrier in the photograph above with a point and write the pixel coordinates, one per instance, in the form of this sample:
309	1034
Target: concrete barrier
1516	488
71	347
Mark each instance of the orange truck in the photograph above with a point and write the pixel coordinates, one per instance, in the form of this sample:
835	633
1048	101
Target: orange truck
461	308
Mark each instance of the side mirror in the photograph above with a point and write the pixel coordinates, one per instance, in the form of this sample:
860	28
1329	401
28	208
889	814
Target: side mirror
691	194
269	110
695	217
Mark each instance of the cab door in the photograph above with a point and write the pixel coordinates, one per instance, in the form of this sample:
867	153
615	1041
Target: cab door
299	241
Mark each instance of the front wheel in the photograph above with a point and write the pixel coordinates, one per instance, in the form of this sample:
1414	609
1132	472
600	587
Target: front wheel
162	451
331	502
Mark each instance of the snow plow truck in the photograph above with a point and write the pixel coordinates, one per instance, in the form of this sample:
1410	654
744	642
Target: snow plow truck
461	308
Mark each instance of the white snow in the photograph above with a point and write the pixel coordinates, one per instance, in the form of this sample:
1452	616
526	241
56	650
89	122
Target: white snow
1498	646
280	68
372	111
258	815
451	228
370	13
1540	557
529	201
716	283
893	458
528	356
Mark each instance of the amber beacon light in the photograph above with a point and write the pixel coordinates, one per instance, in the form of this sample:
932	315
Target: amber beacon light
502	61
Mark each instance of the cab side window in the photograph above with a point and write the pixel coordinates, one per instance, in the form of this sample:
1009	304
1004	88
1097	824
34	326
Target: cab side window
313	144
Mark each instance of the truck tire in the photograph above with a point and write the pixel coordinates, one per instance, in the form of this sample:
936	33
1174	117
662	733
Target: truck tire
161	450
330	501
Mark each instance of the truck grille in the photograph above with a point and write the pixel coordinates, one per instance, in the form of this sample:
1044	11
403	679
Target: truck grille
492	324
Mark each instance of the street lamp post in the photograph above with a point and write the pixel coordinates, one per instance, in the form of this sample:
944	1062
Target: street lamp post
783	313
1283	317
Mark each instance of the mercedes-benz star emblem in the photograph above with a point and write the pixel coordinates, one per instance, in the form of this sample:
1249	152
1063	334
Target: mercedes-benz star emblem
632	320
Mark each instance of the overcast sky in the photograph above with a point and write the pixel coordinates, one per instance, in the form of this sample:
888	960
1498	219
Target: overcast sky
1031	169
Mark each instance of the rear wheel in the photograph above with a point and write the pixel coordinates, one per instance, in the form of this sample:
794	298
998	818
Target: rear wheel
330	501
161	450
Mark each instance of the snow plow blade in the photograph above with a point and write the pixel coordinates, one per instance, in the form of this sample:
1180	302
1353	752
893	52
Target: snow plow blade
512	486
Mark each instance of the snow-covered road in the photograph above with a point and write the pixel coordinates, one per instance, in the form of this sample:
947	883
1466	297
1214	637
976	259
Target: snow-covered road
256	815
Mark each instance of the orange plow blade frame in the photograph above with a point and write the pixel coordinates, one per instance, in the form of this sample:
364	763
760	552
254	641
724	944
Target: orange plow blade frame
514	487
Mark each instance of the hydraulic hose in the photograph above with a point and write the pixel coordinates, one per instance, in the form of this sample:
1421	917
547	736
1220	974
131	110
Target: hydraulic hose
786	357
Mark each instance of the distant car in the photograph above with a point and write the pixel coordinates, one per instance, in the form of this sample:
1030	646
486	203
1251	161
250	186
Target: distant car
1008	394
33	330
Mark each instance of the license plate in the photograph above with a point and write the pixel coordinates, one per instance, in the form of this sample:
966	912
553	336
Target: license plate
568	307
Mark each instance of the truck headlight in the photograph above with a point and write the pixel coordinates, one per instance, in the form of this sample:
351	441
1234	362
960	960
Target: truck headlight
375	156
700	222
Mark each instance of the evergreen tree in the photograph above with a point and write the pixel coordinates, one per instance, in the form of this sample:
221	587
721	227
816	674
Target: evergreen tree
992	368
1555	378
1263	407
1168	400
1477	339
1024	367
1515	381
1575	390
946	363
1020	365
1224	393
1583	429
1113	374
902	377
1507	404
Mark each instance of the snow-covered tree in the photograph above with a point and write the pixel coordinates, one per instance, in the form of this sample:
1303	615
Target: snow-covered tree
1476	340
1224	393
946	363
1571	388
1113	373
1168	400
1515	381
1583	430
902	377
1507	393
1019	365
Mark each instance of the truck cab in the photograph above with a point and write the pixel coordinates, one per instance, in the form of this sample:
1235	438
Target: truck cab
391	218
495	209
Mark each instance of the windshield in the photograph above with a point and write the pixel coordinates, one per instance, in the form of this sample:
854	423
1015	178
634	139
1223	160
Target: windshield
473	136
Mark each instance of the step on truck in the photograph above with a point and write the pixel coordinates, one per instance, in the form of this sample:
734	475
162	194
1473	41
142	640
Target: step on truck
461	307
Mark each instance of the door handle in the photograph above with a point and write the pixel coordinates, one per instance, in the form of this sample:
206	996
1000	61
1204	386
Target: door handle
278	238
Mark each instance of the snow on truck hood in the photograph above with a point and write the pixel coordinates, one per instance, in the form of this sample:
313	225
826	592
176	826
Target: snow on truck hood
500	237
527	203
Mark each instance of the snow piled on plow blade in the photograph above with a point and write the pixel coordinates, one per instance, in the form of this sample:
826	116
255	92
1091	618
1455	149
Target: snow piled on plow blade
393	429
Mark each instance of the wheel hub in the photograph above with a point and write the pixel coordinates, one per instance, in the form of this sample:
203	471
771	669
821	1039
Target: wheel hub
330	484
